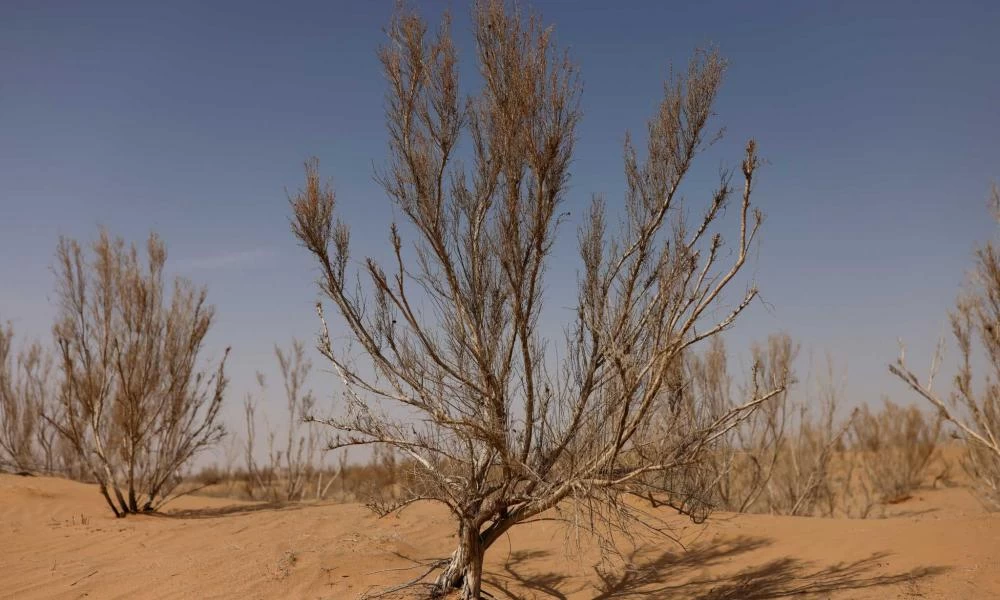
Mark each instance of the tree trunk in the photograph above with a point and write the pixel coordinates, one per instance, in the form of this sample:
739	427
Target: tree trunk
133	503
465	570
121	499
104	492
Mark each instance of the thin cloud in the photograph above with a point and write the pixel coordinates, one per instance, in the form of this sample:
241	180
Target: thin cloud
224	260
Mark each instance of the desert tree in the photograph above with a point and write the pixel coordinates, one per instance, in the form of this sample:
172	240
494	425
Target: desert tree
135	403
973	407
454	367
27	440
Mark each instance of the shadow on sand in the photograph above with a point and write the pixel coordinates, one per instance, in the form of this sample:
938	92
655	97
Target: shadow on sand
680	573
233	510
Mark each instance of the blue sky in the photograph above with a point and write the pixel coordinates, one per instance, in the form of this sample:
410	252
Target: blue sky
879	121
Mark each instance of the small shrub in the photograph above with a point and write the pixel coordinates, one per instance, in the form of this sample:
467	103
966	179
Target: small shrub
291	471
804	480
894	447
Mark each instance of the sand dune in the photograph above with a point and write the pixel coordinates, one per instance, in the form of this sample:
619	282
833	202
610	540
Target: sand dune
60	541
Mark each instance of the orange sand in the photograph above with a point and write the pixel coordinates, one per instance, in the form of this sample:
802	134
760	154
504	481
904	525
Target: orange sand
58	540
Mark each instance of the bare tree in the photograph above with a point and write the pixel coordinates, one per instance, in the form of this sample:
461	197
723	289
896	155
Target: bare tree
975	412
455	370
134	405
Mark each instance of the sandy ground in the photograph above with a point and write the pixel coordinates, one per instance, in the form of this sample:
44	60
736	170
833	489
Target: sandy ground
58	540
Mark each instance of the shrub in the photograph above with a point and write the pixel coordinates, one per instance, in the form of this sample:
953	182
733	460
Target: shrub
895	447
290	471
27	441
134	405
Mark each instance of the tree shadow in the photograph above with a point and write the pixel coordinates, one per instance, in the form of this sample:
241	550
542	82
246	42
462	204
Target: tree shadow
233	510
668	575
680	574
910	513
791	577
671	565
548	583
557	585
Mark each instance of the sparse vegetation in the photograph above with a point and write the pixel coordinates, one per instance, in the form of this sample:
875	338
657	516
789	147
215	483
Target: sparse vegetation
28	442
798	455
895	448
290	472
479	388
805	480
742	461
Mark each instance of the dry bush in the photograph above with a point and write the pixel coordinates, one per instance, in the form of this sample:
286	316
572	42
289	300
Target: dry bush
973	409
382	482
895	448
983	465
28	442
295	470
500	424
133	403
804	480
735	470
787	457
221	479
746	458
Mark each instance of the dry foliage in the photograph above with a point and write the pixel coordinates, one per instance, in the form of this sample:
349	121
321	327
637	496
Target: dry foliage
895	448
779	459
787	457
454	371
28	442
973	409
743	461
803	481
736	468
133	403
380	482
293	471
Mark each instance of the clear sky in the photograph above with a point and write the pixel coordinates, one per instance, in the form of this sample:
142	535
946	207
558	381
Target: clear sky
879	121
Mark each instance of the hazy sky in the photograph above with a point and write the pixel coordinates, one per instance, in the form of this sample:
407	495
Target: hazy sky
879	121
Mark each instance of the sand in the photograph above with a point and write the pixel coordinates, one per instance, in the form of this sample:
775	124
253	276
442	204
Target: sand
58	540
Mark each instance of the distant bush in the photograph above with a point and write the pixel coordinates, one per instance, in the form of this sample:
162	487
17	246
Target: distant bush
291	470
895	448
780	459
797	456
28	442
380	481
806	479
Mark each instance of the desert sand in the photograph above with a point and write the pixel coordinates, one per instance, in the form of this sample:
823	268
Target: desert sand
60	541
